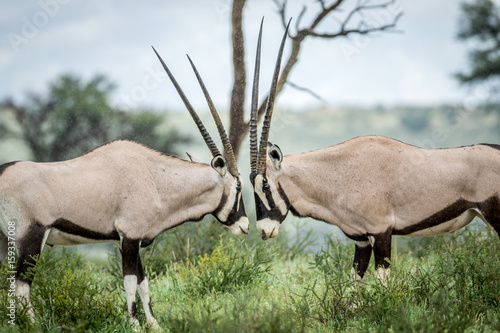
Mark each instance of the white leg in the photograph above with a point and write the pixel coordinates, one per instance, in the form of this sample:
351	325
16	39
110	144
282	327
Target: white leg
384	275
143	290
130	283
23	291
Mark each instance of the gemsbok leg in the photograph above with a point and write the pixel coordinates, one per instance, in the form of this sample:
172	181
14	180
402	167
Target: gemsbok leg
381	246
490	213
382	253
3	248
362	255
29	247
134	279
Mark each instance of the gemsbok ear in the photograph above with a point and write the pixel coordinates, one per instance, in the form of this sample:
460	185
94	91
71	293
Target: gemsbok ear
276	157
219	164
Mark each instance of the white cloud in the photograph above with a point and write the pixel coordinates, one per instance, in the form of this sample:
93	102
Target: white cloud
88	37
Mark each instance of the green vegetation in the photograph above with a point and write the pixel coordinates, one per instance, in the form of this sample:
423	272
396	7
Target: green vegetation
480	22
248	285
204	280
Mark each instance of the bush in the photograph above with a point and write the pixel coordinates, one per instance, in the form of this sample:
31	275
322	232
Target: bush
454	288
70	293
231	264
237	312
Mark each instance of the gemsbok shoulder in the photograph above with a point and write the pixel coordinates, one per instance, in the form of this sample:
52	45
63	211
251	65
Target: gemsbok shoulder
120	192
372	187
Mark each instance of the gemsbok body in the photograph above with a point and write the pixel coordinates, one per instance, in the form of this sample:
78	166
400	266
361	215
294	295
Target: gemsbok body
120	192
373	187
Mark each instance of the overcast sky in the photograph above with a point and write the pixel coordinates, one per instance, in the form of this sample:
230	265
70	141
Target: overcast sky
43	39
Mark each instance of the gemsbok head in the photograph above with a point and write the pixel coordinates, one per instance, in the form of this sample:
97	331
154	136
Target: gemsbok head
120	192
372	187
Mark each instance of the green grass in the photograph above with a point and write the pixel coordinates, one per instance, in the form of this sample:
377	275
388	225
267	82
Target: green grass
439	284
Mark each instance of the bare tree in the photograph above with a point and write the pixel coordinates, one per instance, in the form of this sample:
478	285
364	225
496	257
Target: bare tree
353	22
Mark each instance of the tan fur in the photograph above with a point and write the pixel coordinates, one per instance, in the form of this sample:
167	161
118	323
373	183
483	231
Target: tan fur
121	186
371	184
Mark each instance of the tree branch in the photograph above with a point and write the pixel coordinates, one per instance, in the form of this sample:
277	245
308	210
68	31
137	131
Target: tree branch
307	90
239	128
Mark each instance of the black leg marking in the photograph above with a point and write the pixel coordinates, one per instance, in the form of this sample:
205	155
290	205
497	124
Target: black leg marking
130	256
382	249
130	260
491	212
28	247
133	312
135	280
362	255
141	275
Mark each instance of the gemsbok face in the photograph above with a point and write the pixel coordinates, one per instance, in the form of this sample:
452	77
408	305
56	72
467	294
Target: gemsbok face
271	207
231	210
372	187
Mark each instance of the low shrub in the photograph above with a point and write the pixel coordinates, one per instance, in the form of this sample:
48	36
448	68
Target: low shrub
454	288
232	263
70	293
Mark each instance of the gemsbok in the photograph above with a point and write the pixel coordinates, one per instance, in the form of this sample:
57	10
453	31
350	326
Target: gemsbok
372	187
120	192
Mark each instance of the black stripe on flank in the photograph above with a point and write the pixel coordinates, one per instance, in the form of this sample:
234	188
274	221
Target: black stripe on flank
4	167
74	229
446	214
491	145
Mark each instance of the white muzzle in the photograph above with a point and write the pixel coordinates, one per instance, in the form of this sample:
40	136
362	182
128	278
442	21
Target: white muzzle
268	228
240	227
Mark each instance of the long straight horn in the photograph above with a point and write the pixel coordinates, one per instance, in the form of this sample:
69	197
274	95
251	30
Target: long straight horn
228	149
261	162
204	133
254	153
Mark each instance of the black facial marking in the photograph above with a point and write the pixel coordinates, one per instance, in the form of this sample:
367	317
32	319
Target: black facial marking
74	229
234	215
222	203
261	210
265	186
4	167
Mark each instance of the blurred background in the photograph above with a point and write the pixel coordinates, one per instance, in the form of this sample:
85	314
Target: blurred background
76	74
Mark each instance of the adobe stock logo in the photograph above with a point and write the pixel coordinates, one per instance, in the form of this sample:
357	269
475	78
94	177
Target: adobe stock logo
31	25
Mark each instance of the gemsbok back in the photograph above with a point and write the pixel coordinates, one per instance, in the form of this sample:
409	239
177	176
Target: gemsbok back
372	187
120	192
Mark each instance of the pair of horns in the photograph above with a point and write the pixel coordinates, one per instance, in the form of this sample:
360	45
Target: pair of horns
228	149
258	157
